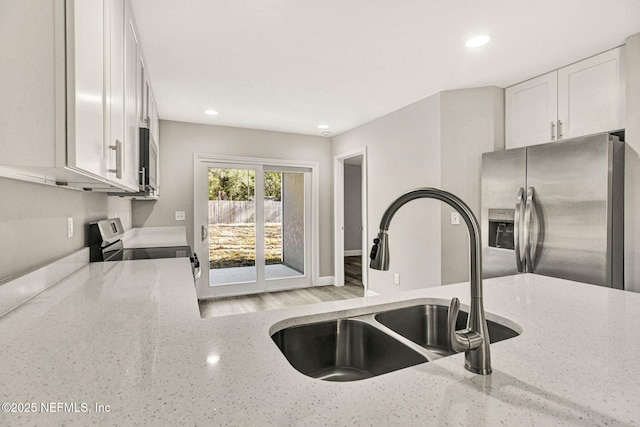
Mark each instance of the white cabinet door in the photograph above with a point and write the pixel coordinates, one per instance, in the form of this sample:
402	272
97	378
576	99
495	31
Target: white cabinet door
591	95
531	111
142	90
146	99
85	84
155	132
154	126
114	89
131	82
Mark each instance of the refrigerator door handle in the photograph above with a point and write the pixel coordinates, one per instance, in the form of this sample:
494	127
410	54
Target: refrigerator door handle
527	230
516	229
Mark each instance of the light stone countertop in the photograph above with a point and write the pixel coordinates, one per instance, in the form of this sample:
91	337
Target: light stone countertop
128	335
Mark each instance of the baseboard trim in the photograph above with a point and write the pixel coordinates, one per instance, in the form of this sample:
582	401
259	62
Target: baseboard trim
353	252
326	280
371	293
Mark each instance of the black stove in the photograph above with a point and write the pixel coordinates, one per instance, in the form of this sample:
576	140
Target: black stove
105	244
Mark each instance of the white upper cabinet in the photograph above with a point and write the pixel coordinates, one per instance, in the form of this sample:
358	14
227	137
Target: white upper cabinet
154	122
71	103
142	93
131	101
591	95
581	99
114	89
531	110
85	87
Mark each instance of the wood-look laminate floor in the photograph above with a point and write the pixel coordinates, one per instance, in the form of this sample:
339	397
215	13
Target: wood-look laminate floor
353	270
273	300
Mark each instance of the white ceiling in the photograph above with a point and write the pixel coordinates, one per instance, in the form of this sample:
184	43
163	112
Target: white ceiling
289	65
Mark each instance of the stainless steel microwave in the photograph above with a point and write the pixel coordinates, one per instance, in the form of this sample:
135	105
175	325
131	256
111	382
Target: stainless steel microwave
148	161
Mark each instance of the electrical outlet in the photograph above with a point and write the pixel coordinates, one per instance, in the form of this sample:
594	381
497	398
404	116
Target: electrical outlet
455	218
180	216
396	278
69	227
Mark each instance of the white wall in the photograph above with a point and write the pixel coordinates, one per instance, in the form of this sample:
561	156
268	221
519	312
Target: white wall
403	153
472	123
632	166
33	223
179	141
352	207
436	142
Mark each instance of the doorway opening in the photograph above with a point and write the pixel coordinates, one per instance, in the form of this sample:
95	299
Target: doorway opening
351	219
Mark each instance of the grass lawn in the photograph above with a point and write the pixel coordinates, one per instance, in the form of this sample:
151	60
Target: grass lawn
233	245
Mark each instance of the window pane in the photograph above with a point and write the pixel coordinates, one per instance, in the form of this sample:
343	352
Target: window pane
232	228
284	224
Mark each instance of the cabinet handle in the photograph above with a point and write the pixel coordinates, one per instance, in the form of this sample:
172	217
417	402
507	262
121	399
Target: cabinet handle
118	149
143	178
553	131
559	130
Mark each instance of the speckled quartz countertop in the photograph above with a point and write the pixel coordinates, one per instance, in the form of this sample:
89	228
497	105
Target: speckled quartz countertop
129	335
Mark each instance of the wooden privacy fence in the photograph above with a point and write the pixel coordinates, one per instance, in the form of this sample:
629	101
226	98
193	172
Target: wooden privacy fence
242	212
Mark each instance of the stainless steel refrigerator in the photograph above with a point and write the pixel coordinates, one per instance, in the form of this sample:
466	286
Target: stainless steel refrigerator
555	209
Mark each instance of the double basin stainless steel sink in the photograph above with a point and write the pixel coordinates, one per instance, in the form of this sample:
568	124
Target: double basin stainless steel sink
364	346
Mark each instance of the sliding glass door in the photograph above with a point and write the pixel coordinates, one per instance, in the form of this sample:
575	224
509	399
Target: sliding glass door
232	225
255	224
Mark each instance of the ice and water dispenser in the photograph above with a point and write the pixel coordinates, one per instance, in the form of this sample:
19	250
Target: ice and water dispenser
501	228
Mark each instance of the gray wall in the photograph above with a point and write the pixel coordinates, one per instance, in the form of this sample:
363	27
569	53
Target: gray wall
632	166
403	152
436	142
472	123
293	220
33	223
352	207
179	141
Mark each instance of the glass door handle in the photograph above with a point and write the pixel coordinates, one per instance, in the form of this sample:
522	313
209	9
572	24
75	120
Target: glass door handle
203	233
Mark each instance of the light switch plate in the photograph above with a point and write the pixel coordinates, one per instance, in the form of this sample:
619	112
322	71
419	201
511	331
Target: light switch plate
396	278
69	227
180	216
455	218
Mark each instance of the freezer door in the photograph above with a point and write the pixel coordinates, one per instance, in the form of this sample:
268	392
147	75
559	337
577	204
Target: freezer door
503	178
570	213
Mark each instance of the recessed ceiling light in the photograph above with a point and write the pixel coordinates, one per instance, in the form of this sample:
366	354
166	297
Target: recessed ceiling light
211	112
323	126
478	41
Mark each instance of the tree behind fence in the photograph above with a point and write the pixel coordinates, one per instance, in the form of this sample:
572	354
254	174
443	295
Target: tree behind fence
242	212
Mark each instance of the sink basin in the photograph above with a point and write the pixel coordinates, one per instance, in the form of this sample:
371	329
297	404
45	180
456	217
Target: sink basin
363	346
426	325
343	350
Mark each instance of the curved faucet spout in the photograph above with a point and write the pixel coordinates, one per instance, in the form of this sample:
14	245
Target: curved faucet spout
474	340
